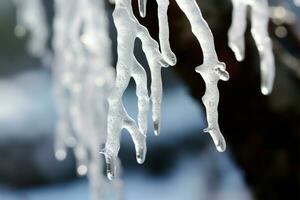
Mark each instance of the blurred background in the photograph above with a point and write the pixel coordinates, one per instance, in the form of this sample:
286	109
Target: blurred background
263	132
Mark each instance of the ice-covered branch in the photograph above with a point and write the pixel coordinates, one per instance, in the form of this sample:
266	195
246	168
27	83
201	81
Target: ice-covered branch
129	29
259	30
211	70
31	17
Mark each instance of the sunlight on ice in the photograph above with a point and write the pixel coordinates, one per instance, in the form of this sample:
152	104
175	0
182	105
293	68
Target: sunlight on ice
259	30
31	18
83	77
211	70
129	29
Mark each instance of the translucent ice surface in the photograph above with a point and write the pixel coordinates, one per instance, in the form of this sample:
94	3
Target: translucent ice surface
129	29
142	7
31	18
83	77
259	30
211	70
167	53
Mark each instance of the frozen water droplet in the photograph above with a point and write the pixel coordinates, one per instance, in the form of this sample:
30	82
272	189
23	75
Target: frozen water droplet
171	58
218	138
221	147
82	170
111	167
206	130
142	7
265	90
60	154
221	71
156	126
238	50
141	154
164	64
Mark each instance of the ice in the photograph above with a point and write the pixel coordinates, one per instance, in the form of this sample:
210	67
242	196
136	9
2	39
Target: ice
129	29
211	70
31	18
83	77
142	7
167	53
259	30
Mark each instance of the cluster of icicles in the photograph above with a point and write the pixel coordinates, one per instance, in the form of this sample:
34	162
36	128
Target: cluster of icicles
87	93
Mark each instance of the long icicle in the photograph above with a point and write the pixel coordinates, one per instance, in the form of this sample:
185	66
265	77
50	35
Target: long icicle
128	67
83	70
259	30
211	70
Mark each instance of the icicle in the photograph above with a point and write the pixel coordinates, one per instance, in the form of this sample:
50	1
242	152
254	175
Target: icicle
31	17
259	30
83	77
128	67
142	7
62	77
167	53
211	70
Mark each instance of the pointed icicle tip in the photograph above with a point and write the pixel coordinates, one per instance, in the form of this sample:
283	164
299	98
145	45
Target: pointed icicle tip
82	170
156	126
221	146
111	167
219	140
142	7
265	90
60	154
141	155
